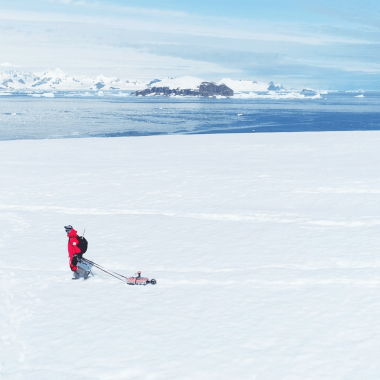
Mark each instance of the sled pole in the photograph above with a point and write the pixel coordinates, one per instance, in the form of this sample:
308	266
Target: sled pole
102	269
91	262
108	273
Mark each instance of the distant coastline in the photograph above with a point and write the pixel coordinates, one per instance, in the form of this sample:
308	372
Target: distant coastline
58	80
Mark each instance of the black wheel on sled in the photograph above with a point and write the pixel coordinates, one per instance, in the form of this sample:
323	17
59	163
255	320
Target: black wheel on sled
152	281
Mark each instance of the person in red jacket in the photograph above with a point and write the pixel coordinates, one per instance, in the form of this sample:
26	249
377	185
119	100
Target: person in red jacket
75	253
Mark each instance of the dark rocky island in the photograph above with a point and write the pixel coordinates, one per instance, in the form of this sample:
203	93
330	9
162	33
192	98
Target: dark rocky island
206	89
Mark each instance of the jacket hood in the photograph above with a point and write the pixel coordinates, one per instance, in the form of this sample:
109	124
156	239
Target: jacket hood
72	233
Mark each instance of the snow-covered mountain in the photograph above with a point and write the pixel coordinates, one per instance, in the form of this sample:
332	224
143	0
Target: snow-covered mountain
57	79
185	82
190	82
246	85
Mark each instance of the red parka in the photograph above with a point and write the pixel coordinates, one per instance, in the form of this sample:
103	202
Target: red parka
73	247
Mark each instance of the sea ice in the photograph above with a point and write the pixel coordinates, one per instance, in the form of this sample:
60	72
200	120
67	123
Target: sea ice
275	95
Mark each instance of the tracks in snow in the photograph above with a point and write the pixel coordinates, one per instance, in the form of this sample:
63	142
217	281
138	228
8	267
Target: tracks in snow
259	217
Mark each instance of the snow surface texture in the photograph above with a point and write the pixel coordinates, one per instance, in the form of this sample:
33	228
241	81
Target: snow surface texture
265	248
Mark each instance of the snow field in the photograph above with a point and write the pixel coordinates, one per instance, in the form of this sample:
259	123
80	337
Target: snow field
264	247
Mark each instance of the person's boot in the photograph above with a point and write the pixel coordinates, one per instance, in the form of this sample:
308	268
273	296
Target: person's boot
75	275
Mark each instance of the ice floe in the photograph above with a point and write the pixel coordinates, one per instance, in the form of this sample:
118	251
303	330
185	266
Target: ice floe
275	95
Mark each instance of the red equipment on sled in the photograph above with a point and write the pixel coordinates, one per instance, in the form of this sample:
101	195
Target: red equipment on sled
138	280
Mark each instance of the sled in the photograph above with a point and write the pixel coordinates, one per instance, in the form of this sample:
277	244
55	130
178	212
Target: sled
138	280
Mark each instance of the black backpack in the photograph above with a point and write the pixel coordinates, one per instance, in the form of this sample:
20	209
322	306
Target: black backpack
82	244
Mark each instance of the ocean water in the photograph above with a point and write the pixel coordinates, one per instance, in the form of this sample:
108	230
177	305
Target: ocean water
77	115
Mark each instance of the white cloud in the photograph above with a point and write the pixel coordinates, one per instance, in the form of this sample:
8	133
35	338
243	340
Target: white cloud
124	9
7	64
352	66
189	25
36	51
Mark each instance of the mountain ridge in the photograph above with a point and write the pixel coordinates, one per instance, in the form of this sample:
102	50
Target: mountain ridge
55	80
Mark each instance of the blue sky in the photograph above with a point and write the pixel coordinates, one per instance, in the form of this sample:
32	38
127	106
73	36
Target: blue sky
321	44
